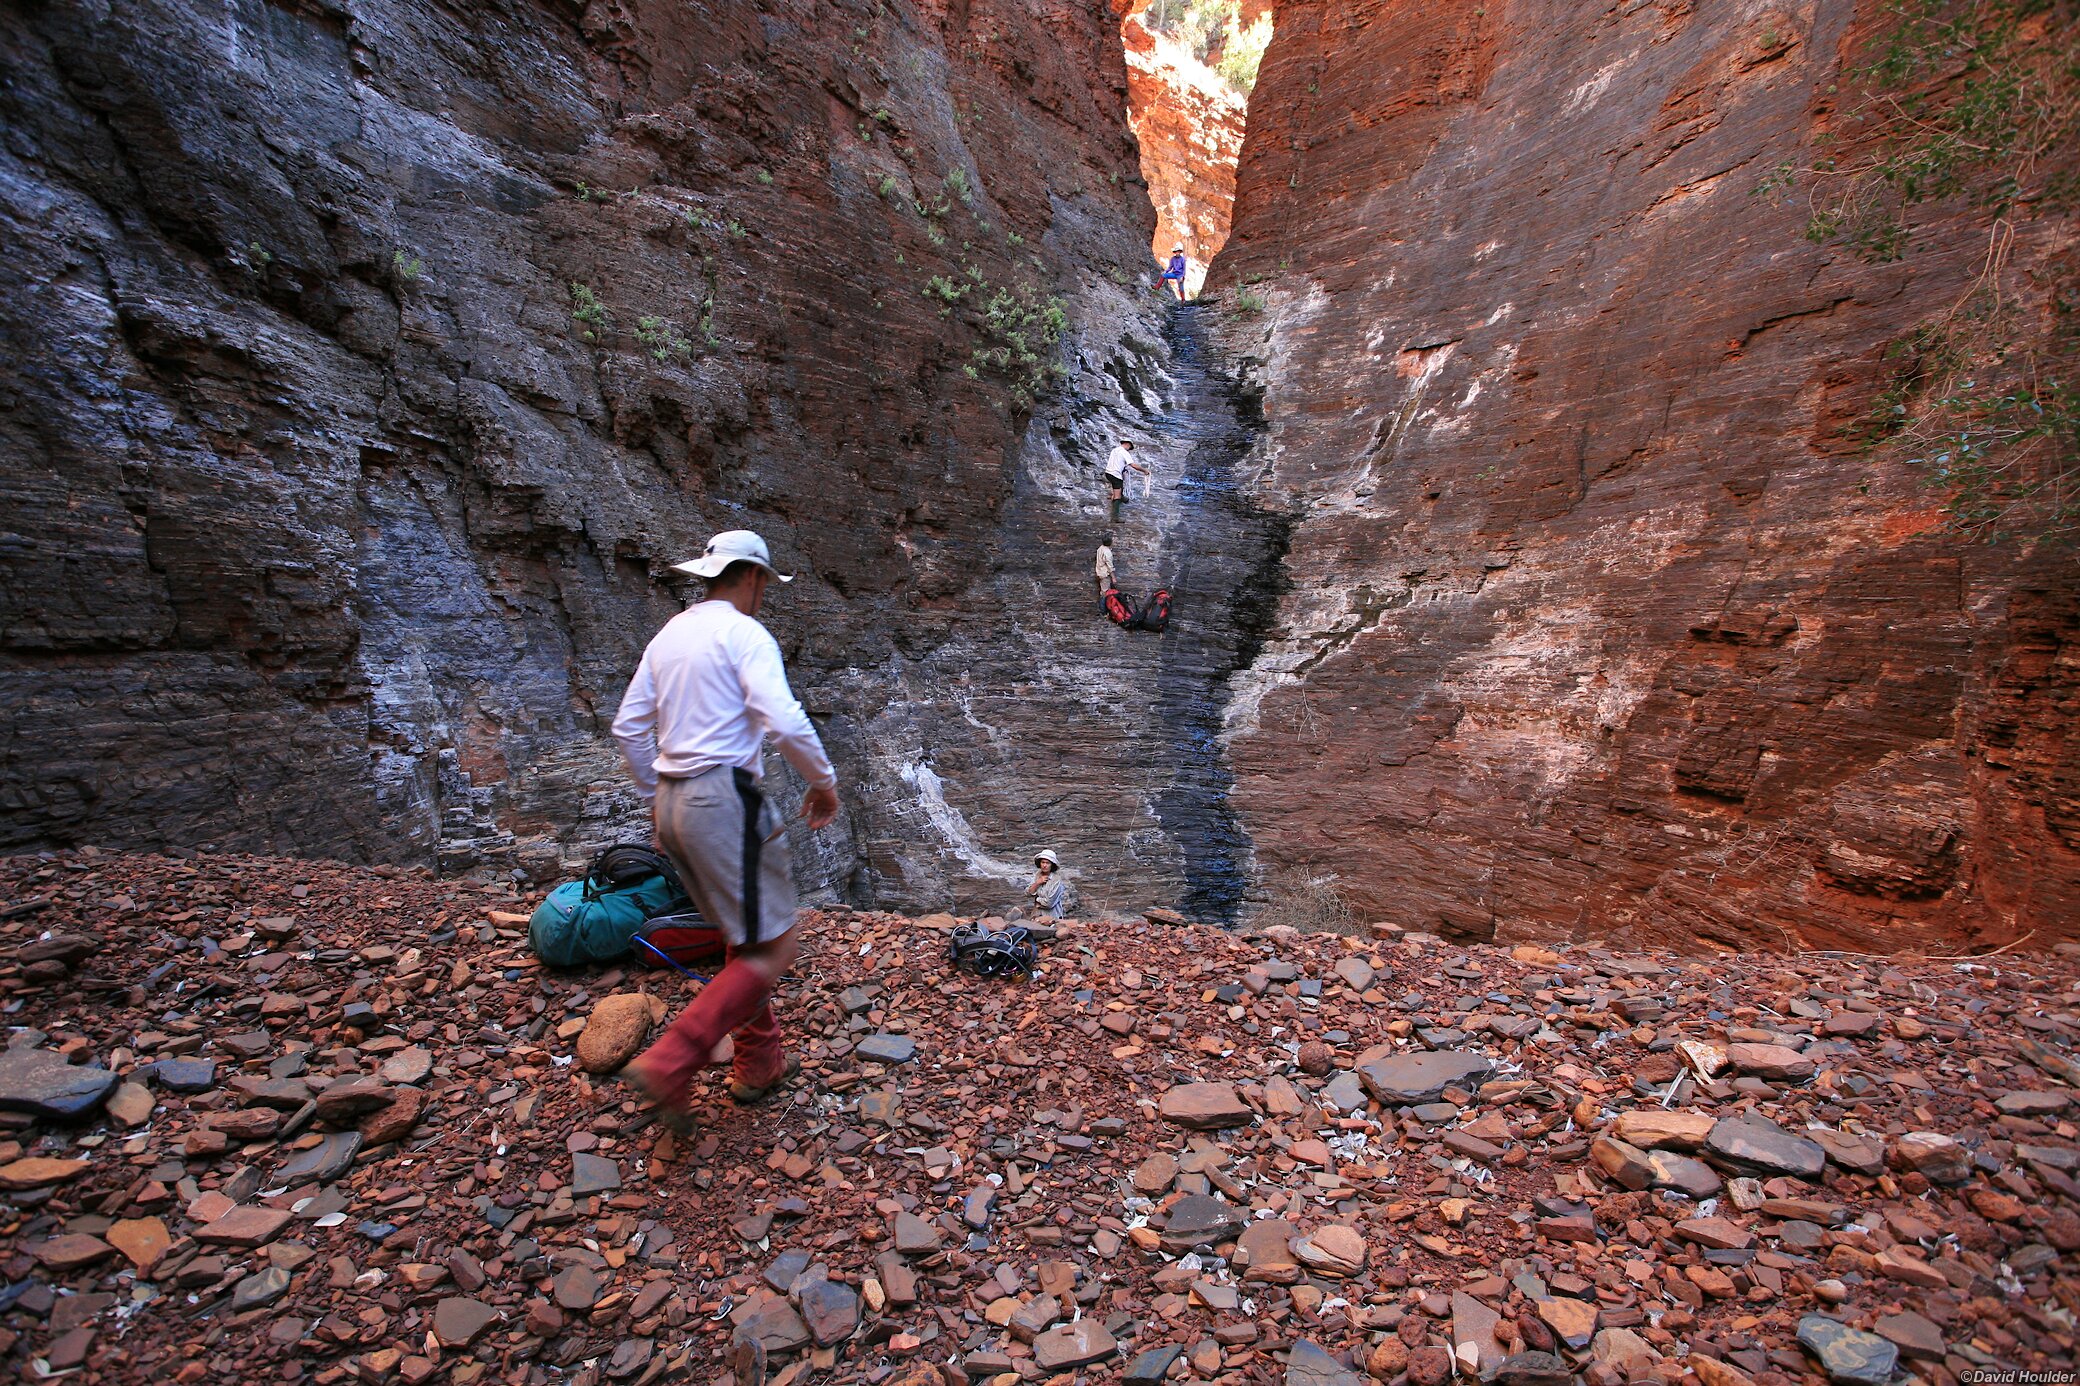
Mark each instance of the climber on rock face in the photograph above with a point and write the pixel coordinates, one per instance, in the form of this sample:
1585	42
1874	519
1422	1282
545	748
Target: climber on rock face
1121	458
1102	564
710	688
1175	272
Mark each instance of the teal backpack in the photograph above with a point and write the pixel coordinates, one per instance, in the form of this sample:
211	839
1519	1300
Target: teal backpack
596	919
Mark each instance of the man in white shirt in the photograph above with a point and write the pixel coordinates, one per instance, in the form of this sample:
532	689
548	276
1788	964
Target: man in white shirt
711	687
1101	565
1116	464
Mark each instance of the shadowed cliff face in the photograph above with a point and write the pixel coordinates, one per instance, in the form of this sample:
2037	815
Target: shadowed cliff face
370	364
1596	623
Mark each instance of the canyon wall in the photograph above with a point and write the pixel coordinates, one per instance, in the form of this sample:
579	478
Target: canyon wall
1188	122
1597	623
369	362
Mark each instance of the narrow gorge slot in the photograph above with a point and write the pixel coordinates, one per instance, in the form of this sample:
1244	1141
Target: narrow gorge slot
1226	561
1190	66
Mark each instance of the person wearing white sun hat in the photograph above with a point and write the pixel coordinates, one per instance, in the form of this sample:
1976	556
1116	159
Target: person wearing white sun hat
710	689
1175	271
1050	889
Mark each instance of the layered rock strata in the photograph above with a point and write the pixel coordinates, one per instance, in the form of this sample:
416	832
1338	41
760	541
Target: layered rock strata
370	363
1597	621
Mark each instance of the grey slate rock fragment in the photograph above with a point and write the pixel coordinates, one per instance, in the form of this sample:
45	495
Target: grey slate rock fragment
887	1049
1849	1356
1345	1092
1202	1218
1309	1365
591	1174
1408	1078
1152	1366
260	1288
323	1162
185	1075
831	1311
43	1084
1533	1369
1756	1143
787	1267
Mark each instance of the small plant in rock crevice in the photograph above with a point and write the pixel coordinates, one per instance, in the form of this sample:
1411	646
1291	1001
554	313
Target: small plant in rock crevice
406	268
589	313
1019	329
662	340
1250	301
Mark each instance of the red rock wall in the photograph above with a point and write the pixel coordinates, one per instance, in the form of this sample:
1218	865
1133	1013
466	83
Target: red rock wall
1597	626
1188	122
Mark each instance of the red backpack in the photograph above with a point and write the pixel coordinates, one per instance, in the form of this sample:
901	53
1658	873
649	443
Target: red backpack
1119	606
1156	615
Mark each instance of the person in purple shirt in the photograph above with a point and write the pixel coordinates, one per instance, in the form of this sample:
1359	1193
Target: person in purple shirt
1175	273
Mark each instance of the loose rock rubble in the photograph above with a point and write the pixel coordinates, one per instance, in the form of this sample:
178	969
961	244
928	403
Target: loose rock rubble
296	1121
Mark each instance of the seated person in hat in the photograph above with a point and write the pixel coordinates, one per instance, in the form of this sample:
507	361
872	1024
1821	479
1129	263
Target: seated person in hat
1050	889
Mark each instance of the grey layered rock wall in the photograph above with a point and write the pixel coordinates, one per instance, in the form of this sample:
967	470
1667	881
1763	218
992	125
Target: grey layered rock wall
337	521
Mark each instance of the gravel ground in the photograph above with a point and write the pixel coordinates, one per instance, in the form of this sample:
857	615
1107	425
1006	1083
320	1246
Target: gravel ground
299	1121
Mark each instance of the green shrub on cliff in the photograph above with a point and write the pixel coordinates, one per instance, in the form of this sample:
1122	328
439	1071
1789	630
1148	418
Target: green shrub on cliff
1974	104
1021	330
589	313
946	290
662	340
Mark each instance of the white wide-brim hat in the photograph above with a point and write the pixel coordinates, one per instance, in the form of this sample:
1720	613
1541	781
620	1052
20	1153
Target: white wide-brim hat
1049	857
731	546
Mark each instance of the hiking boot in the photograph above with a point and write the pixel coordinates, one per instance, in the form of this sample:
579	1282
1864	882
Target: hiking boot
664	1074
749	1093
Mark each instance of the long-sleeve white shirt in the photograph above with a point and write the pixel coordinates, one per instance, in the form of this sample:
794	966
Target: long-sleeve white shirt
710	688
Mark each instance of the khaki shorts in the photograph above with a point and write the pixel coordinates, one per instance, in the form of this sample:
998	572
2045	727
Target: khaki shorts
730	846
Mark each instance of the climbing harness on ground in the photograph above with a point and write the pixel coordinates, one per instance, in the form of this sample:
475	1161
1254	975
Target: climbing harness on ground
1009	951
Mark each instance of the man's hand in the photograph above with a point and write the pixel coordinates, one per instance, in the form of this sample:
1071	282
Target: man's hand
820	806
